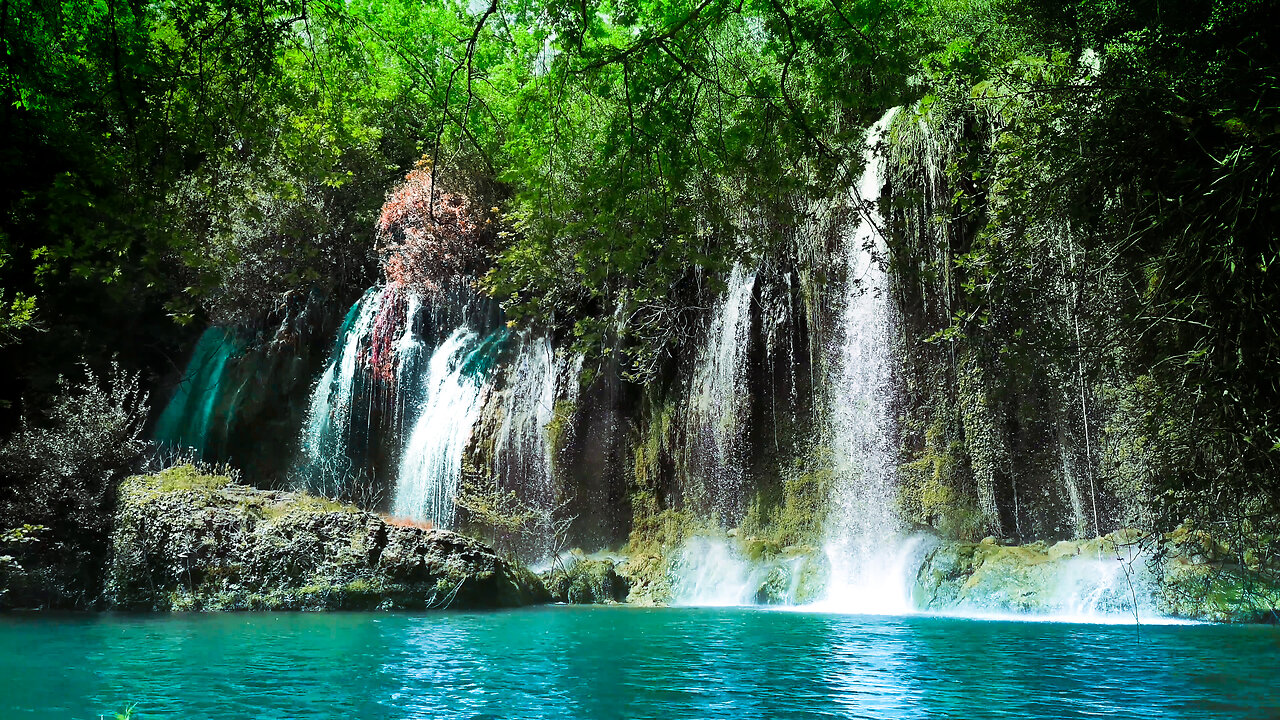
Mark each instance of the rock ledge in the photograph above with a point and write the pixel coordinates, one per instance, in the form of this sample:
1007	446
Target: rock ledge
188	541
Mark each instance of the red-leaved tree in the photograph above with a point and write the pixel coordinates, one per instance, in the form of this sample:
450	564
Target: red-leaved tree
430	239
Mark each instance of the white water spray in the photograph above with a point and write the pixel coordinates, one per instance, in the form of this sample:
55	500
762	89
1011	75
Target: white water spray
432	461
522	449
711	572
870	564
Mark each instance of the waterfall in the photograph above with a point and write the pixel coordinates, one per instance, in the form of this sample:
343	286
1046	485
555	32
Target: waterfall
522	450
718	571
867	575
187	419
711	572
453	392
326	433
718	401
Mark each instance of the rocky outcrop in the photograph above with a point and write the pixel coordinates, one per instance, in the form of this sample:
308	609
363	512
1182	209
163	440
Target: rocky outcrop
187	541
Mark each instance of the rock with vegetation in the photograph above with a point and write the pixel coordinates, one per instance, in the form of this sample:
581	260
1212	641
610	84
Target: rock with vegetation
1203	578
588	581
184	540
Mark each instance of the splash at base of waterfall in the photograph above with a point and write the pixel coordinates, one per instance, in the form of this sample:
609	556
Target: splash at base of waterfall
711	572
1073	581
872	580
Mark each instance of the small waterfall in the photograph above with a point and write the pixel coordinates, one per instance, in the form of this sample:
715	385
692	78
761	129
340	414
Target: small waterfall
188	418
1090	581
326	434
719	571
719	403
453	392
522	451
867	575
711	572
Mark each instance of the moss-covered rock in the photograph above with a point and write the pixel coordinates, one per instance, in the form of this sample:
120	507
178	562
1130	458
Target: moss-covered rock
648	576
187	541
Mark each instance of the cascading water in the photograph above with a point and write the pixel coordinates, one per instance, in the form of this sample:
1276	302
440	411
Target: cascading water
187	419
453	392
711	572
327	430
867	575
718	402
522	450
717	571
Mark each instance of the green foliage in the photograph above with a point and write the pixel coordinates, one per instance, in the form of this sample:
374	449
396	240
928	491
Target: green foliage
654	535
560	426
186	477
794	513
60	471
650	134
1103	230
936	488
15	316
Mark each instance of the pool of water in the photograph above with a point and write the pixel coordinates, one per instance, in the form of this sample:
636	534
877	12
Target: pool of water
622	662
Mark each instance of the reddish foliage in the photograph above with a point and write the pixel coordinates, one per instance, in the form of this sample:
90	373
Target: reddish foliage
408	522
430	238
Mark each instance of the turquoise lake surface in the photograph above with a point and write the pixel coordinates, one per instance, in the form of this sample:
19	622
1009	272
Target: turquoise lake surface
624	662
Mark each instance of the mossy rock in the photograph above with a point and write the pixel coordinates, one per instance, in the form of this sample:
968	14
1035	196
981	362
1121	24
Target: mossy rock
183	541
587	582
649	578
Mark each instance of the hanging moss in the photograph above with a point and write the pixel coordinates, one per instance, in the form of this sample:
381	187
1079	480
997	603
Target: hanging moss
559	429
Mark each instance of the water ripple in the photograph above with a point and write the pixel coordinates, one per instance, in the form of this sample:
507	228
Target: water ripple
628	663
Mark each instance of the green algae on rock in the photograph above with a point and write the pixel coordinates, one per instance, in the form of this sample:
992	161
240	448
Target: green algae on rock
587	581
188	541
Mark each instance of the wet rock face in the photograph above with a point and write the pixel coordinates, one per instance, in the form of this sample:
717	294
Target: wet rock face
185	541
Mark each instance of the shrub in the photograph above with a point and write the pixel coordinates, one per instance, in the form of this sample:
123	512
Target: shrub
60	470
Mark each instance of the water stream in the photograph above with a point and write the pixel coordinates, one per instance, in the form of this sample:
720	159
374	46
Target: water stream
453	388
719	403
188	419
326	433
867	573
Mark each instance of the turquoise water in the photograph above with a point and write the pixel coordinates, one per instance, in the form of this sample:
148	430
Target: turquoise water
561	662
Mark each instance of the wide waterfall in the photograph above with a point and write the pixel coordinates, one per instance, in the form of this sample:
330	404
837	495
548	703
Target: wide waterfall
719	403
865	577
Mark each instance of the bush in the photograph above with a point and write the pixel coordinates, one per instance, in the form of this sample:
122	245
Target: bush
60	470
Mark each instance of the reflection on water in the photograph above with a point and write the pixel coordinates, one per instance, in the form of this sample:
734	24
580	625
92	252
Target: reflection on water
628	663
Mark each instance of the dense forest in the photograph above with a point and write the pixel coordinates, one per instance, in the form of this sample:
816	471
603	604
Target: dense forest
1078	205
